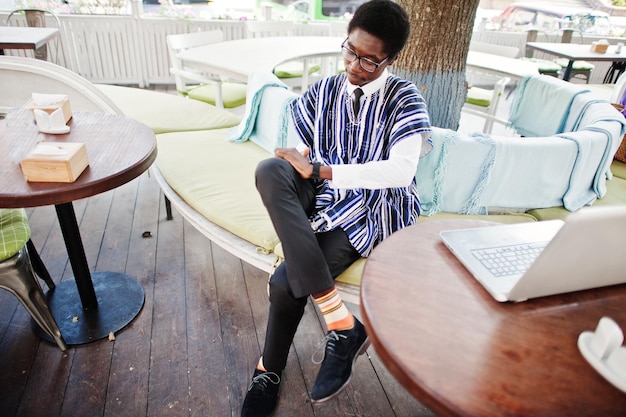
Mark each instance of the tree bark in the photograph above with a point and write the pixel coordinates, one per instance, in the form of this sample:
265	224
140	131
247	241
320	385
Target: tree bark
436	53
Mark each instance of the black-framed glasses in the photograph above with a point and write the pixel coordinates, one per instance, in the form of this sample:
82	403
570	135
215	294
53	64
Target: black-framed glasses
367	64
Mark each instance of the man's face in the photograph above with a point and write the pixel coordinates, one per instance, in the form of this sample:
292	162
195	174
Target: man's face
366	46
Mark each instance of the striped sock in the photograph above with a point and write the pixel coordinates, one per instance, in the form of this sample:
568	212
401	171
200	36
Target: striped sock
336	314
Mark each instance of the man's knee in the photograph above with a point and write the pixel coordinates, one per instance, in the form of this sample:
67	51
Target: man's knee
281	295
270	168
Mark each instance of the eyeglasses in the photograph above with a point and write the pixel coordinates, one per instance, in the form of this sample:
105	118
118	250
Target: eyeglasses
367	64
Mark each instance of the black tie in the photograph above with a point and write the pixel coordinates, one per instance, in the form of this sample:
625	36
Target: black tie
357	100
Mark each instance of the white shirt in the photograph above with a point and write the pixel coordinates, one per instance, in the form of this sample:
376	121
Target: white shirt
397	171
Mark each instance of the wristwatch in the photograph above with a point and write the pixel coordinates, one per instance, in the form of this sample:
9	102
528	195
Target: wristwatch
315	175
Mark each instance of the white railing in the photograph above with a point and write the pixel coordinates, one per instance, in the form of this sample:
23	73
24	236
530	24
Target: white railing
131	49
122	49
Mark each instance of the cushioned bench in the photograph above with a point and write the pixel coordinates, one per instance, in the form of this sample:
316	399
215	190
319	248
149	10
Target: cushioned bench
210	180
167	112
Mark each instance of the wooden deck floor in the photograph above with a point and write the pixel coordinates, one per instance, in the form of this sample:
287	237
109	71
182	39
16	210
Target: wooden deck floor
191	350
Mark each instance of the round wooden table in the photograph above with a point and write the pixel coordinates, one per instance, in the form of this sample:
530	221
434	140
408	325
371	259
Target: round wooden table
88	306
462	353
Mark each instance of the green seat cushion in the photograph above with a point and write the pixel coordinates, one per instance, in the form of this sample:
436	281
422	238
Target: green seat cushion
479	96
577	66
294	69
545	66
233	94
616	195
14	232
229	198
618	169
164	112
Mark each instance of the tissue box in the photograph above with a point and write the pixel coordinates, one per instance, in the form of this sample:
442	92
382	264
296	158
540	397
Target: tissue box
599	47
63	104
55	162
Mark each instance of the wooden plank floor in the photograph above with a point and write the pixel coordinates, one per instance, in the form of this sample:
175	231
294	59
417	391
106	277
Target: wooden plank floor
191	350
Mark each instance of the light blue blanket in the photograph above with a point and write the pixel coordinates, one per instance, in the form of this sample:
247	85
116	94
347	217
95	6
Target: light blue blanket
266	125
446	185
594	135
470	174
541	105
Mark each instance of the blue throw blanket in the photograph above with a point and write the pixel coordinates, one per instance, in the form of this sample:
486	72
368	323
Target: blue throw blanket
541	105
273	131
433	168
594	154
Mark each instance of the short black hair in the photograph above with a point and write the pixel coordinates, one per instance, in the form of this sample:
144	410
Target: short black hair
386	20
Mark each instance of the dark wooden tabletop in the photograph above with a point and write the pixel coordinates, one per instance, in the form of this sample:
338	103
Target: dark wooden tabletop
118	148
462	353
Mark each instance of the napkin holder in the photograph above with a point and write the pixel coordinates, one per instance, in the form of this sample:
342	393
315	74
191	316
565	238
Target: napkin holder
55	162
52	112
603	350
49	107
600	46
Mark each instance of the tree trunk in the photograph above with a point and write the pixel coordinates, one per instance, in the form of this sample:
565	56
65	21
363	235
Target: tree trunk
436	53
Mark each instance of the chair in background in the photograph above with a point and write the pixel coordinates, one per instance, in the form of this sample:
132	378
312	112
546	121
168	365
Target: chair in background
46	77
484	102
580	69
290	73
37	18
17	274
546	66
206	87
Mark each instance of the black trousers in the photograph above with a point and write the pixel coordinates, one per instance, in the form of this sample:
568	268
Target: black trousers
312	260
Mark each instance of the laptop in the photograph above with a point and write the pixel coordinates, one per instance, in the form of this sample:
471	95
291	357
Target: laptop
586	251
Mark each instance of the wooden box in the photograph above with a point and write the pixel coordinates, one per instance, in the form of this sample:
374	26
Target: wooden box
64	105
55	162
600	48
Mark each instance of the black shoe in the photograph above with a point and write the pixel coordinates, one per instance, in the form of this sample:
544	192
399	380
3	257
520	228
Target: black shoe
342	349
262	394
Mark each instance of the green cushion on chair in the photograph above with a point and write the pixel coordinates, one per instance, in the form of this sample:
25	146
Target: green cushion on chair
230	201
293	69
479	96
545	66
577	66
14	232
233	94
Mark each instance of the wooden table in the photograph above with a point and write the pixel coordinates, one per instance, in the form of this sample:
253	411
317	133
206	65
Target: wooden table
25	37
516	69
237	59
90	305
463	354
577	52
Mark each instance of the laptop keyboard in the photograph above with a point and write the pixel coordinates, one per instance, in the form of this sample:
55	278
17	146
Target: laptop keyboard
509	260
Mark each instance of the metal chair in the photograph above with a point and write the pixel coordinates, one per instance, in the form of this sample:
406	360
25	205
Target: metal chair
211	89
17	274
484	102
291	73
38	19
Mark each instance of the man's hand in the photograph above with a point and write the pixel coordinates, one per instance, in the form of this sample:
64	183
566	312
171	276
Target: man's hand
298	160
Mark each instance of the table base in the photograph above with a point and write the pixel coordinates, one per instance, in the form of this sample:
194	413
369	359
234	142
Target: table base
120	299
